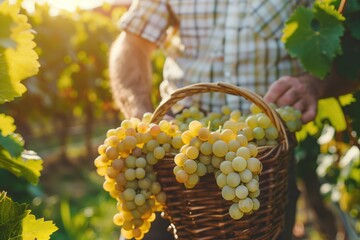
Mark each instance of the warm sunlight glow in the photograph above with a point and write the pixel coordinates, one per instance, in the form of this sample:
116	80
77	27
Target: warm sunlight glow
68	5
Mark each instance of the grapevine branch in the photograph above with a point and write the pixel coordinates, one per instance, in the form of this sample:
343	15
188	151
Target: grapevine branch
341	6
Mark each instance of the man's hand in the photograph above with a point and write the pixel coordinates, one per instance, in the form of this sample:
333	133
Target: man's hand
302	93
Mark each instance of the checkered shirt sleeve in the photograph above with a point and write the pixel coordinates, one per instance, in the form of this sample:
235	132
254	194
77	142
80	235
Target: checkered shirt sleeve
148	19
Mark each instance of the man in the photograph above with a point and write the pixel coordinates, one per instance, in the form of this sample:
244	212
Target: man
234	41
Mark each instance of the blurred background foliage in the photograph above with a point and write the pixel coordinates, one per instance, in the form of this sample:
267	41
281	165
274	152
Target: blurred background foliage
65	114
68	107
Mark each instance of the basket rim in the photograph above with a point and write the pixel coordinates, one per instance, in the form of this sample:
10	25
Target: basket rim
227	88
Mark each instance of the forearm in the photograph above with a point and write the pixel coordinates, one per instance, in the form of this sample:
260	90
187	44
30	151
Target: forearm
130	74
335	85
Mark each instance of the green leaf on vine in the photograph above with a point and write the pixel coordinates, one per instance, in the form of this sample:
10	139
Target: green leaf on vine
37	228
330	109
28	165
7	125
18	60
11	216
353	112
13	143
313	36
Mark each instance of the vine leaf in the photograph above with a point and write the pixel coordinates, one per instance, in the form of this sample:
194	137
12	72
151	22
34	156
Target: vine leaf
18	59
7	125
16	222
11	216
37	228
331	110
313	36
28	165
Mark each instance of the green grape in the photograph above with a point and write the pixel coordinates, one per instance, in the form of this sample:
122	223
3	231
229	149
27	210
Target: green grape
235	212
193	179
246	205
129	142
190	166
227	135
112	141
181	176
140	173
140	162
220	148
239	164
130	162
226	167
253	149
177	142
206	148
204	134
144	183
130	174
258	133
233	145
129	194
255	109
242	139
251	121
243	152
235	115
201	169
264	121
155	188
233	179
221	180
151	145
254	165
230	156
139	199
241	192
252	185
111	153
159	153
179	159
256	204
246	176
271	133
192	152
206	160
228	193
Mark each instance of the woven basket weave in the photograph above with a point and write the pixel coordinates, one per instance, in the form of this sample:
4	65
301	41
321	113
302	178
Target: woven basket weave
201	212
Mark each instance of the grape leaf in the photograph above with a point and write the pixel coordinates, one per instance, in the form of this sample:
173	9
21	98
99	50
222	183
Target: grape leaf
331	110
11	216
18	61
13	143
6	125
37	228
28	165
313	36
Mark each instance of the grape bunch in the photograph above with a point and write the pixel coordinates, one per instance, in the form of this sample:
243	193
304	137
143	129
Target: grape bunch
224	144
126	160
228	148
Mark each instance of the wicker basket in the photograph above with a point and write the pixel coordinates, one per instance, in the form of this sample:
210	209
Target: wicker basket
201	212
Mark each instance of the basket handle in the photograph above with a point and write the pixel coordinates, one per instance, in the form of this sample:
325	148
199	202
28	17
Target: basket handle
197	88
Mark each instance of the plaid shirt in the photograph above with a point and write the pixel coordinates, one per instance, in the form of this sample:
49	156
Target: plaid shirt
234	41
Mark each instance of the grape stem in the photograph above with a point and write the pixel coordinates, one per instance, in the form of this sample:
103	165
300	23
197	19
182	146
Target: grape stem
341	6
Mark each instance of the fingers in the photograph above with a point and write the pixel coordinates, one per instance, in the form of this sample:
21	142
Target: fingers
277	89
309	114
